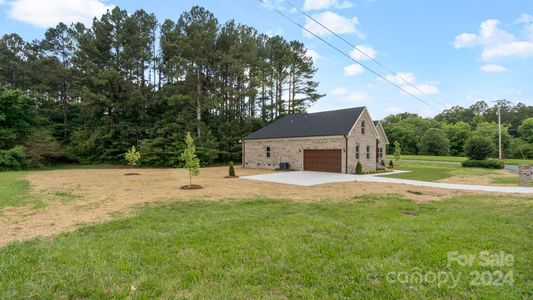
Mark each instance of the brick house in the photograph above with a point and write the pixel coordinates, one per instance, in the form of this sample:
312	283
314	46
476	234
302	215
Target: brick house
330	141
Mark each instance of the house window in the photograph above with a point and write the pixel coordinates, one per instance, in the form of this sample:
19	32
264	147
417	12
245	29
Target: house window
356	151
363	127
268	151
367	152
380	151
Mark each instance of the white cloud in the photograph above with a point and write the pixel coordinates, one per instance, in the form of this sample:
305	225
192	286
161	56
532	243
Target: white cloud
489	34
333	21
525	18
352	70
349	95
358	55
401	78
422	89
407	81
325	4
492	69
514	49
2	2
497	43
313	54
48	13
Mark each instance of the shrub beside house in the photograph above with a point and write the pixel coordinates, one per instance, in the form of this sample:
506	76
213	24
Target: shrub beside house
477	149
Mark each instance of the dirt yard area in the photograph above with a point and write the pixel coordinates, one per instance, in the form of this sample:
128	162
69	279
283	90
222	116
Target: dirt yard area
481	180
79	197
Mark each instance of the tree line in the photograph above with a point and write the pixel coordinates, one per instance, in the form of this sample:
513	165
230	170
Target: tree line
90	93
447	132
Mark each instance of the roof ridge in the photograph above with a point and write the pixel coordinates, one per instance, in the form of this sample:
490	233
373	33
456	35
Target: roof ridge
334	110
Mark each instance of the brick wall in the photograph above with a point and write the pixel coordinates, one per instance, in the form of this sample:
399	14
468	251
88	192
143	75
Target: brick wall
363	140
288	149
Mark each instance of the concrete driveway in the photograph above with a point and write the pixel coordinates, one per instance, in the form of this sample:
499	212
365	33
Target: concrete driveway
308	178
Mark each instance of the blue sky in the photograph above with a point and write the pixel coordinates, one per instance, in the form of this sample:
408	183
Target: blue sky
457	52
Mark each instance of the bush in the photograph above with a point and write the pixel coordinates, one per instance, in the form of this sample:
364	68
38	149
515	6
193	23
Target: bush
13	159
391	164
42	149
358	168
486	163
434	142
479	147
231	169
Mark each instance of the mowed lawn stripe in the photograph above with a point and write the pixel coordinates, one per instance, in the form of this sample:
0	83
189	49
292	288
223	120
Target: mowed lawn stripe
275	249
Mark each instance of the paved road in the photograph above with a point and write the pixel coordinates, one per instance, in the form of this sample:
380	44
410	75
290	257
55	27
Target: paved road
308	178
512	168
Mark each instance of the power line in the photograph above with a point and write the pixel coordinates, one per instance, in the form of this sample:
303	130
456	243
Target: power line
343	53
361	51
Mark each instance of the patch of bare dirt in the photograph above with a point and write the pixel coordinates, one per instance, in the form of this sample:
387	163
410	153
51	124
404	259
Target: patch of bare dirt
106	193
466	180
478	180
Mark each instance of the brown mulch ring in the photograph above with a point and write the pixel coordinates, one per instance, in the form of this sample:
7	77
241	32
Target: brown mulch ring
227	176
131	174
191	187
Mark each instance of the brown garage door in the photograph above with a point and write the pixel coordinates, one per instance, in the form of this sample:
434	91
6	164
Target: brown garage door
323	160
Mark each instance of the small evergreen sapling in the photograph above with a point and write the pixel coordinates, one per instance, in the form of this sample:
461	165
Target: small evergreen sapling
358	168
231	169
391	164
132	156
188	156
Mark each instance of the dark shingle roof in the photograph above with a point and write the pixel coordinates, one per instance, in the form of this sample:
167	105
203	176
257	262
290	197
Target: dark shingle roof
376	122
335	122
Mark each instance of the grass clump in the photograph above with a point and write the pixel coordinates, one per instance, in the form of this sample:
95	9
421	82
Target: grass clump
14	190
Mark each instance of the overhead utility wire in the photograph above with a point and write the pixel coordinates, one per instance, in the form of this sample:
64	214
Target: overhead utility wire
361	51
343	53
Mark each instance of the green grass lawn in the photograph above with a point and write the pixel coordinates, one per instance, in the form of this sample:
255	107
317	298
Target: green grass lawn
423	171
511	161
436	171
277	249
14	190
